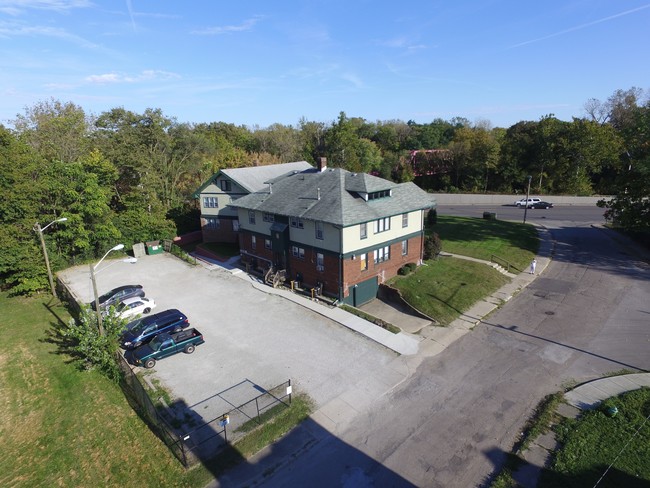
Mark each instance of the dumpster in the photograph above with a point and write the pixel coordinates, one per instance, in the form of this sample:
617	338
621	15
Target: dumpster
154	247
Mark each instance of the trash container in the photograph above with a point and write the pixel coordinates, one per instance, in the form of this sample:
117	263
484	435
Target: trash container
154	247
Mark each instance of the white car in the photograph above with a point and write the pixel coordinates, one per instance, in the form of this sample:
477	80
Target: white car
135	306
527	202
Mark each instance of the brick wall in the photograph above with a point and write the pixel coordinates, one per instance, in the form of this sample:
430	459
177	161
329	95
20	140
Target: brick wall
352	272
224	233
306	268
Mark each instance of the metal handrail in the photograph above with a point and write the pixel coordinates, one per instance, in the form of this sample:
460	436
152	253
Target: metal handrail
495	259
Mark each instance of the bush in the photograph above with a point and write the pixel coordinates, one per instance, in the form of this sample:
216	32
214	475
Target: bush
94	350
408	268
432	217
432	246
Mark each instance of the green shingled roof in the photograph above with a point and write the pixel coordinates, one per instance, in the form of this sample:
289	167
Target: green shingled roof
335	196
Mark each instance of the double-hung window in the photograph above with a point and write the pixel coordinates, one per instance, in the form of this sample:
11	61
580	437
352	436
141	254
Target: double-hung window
405	247
251	216
296	222
225	185
267	243
267	217
320	262
210	202
405	220
253	242
364	261
319	230
363	230
298	252
382	225
382	254
212	223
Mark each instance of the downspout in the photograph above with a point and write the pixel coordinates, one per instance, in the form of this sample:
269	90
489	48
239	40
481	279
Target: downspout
341	264
422	236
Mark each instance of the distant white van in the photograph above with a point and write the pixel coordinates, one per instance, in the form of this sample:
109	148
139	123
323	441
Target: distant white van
527	202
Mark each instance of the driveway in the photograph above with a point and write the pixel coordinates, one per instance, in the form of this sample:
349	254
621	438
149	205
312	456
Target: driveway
251	337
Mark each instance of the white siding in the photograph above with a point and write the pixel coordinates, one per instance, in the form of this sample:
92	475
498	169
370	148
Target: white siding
352	238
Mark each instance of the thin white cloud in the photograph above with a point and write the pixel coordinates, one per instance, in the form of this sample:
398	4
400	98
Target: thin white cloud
115	78
226	29
17	7
129	7
352	79
582	26
403	43
14	30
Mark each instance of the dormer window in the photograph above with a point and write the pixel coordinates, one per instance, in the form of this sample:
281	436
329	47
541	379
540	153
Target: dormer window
379	194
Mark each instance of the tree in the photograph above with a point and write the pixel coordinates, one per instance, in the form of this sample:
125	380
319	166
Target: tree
58	131
92	349
630	207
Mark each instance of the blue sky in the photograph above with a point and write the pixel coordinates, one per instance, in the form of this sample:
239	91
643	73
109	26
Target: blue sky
263	62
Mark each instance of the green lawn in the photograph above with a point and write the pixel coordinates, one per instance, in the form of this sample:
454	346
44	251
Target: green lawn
61	426
64	427
481	238
446	287
596	440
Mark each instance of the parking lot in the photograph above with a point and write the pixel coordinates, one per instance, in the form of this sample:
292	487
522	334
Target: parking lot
251	337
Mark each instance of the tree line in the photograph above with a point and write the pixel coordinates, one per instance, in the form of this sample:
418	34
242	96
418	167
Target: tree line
128	177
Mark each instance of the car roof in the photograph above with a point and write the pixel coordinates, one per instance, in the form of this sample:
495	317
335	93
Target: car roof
124	287
164	315
131	300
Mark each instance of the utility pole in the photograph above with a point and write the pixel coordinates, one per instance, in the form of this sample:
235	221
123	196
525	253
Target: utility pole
39	231
527	195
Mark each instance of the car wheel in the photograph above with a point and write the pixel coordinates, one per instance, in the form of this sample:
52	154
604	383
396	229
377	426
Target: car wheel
189	349
146	310
149	363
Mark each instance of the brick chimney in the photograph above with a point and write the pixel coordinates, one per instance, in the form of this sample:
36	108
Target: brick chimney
322	164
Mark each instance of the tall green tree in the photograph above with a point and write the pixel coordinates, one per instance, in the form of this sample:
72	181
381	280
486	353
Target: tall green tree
58	131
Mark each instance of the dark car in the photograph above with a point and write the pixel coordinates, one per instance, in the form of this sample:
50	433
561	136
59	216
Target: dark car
541	205
116	295
142	330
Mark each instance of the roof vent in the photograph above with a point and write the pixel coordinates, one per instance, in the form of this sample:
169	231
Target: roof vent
319	193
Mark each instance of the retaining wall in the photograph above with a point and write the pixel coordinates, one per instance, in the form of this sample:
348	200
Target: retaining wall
474	199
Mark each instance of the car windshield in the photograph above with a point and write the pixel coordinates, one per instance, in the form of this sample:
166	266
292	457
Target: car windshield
139	328
156	342
106	296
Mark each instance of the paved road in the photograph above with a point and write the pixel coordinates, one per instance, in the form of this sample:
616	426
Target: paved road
560	213
451	422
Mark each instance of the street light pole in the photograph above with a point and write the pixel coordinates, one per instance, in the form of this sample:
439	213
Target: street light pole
527	195
39	231
100	326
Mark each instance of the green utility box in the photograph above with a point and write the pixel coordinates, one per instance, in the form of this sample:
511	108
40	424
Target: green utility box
154	247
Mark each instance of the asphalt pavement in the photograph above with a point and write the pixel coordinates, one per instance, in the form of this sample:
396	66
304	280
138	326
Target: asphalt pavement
419	342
